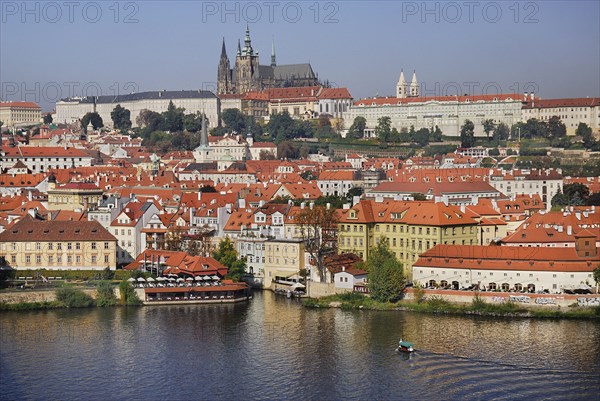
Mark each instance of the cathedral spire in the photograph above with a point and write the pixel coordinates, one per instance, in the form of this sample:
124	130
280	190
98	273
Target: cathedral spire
239	49
223	51
273	62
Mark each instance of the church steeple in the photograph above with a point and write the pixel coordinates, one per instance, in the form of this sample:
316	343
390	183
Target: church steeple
247	50
239	49
401	86
414	85
273	61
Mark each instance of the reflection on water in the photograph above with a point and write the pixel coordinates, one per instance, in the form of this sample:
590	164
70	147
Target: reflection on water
272	348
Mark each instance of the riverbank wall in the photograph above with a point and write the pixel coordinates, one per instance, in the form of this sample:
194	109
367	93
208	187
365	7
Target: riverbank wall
49	295
541	300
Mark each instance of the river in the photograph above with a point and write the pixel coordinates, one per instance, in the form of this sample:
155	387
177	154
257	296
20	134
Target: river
273	348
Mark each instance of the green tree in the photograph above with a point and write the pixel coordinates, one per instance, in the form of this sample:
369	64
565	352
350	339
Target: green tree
47	119
150	121
94	118
105	294
121	117
234	120
418	196
173	118
556	128
436	135
228	256
421	137
467	134
193	122
597	277
494	152
576	190
585	133
128	294
386	273
488	126
74	298
383	130
357	129
501	133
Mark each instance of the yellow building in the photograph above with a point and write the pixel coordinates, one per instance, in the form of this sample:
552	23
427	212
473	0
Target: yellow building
58	245
72	195
283	260
411	227
19	114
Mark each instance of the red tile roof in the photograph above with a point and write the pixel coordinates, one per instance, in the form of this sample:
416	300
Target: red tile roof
29	105
569	102
478	257
28	229
392	101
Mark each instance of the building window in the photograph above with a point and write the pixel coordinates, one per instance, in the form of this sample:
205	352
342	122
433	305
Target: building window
105	258
69	246
106	245
93	246
38	259
78	245
38	246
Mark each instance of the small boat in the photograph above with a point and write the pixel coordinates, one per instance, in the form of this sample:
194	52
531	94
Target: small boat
405	346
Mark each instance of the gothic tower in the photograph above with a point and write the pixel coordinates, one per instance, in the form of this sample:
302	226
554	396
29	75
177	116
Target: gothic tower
273	61
224	75
401	86
246	67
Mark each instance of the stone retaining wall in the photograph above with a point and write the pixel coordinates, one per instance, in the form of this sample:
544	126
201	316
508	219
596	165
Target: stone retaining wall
15	297
548	300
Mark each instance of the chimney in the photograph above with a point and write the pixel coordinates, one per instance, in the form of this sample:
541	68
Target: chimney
302	205
241	203
463	208
578	215
199	195
569	230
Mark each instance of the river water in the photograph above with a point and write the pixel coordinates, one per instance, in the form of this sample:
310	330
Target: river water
273	348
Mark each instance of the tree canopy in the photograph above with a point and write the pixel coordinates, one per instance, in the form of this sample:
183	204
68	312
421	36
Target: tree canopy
94	118
383	130
121	117
228	256
386	273
357	129
467	134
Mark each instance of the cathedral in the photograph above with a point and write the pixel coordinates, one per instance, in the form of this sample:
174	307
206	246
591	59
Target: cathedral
248	75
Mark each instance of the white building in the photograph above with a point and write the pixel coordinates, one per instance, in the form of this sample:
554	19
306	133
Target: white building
447	112
506	268
127	228
545	183
571	111
41	159
72	109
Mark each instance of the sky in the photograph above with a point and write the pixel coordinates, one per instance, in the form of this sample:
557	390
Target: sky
51	50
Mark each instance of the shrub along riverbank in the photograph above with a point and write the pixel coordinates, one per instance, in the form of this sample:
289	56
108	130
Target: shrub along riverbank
73	297
439	305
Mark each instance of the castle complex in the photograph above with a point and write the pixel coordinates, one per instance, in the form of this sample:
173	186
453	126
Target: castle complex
248	75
